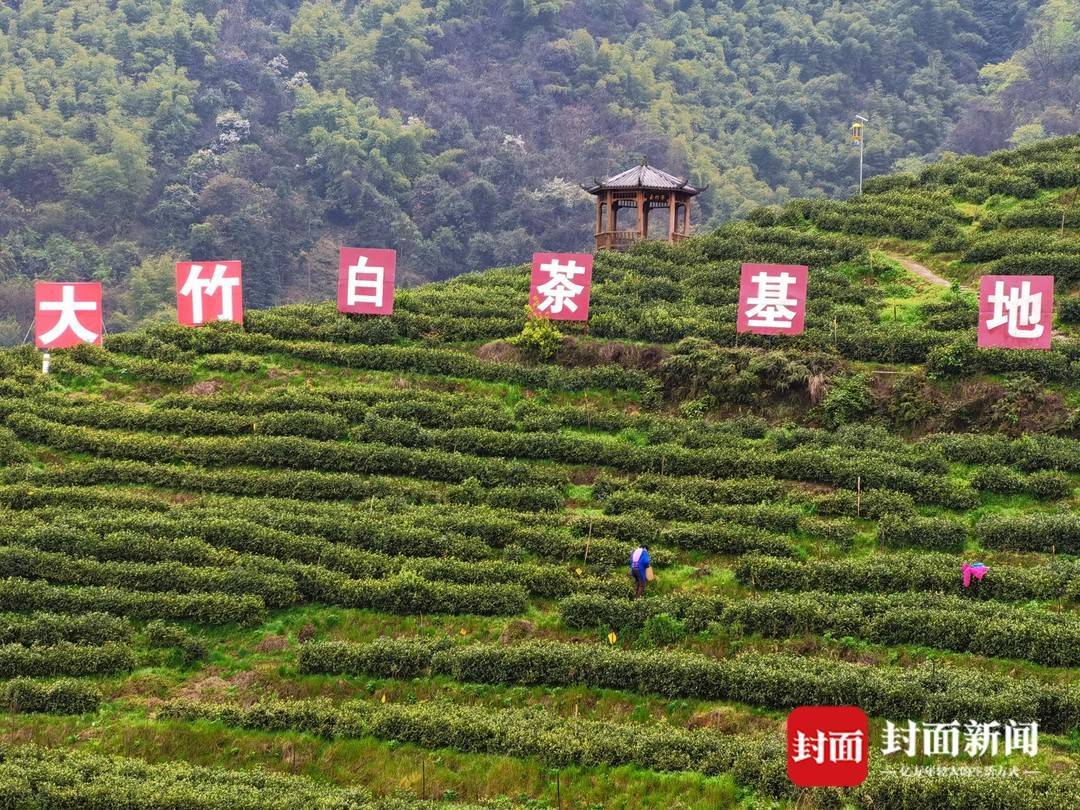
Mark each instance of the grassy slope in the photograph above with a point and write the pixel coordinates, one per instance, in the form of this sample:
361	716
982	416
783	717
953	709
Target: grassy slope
244	664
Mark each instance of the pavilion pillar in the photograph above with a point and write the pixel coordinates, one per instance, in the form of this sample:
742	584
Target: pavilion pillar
612	213
672	207
686	217
642	224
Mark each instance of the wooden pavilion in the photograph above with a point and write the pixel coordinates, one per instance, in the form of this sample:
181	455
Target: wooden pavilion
642	189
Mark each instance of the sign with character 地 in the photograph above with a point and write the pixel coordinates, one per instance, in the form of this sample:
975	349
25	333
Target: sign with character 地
1016	312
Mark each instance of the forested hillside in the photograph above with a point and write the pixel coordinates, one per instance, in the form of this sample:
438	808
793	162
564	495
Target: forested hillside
385	558
137	132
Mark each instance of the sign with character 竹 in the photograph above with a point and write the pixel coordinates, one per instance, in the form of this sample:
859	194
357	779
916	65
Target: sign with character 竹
209	291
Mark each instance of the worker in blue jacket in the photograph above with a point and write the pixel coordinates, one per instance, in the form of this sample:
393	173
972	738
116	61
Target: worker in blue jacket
639	566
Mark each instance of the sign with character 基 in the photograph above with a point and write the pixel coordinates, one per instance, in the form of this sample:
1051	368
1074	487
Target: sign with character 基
366	281
772	299
561	285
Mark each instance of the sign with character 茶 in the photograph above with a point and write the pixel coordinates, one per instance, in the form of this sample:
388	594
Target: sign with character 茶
561	285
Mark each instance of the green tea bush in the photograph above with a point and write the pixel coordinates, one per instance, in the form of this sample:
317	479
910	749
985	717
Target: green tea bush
769	680
162	634
1034	531
65	658
908	571
275	591
533	733
932	620
34	777
48	629
63	696
915	531
207	608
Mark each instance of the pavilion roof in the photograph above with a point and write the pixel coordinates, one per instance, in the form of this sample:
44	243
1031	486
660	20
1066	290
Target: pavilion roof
646	177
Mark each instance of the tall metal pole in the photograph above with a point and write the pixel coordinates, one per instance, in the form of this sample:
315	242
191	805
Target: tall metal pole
860	127
862	145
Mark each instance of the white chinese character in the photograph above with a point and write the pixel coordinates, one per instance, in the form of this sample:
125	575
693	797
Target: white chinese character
809	747
1020	309
845	746
560	290
68	308
900	740
372	282
772	303
981	738
941	738
196	287
1022	737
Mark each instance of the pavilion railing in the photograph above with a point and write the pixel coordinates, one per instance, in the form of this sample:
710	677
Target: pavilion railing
620	240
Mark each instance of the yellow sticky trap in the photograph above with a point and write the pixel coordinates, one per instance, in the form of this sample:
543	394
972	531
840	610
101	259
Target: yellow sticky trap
612	638
463	631
384	698
577	571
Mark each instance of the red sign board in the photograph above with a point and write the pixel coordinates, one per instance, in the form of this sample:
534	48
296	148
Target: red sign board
209	291
1016	312
828	746
366	281
66	315
561	283
772	299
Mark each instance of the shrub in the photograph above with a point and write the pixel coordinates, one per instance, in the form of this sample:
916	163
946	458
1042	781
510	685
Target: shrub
1036	531
998	478
62	777
939	534
51	628
847	399
769	680
208	608
892	573
65	658
64	696
558	742
539	339
932	620
162	634
1069	309
1049	485
661	629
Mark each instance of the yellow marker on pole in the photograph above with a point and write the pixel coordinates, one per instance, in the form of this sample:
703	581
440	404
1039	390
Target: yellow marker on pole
463	631
612	638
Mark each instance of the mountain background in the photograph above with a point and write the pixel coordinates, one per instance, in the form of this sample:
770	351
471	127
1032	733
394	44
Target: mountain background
137	132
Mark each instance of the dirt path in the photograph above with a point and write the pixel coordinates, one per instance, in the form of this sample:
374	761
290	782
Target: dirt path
920	270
